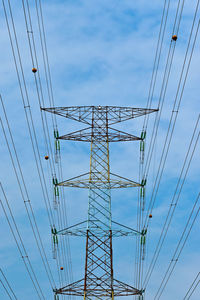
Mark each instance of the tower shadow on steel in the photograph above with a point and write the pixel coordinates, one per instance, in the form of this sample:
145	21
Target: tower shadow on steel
99	229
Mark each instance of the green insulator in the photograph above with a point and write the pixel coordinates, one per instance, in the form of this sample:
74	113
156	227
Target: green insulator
57	191
53	231
55	181
56	239
144	231
141	145
58	145
143	183
56	134
144	240
143	135
141	192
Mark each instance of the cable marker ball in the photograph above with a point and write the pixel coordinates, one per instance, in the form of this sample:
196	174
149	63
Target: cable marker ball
34	70
150	216
61	268
46	157
174	37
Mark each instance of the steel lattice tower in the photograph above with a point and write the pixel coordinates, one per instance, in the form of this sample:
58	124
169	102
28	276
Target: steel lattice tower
99	228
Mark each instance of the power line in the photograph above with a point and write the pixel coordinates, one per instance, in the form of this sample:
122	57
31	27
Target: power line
28	114
192	288
138	261
173	118
11	290
164	86
174	202
26	199
54	121
39	89
21	247
182	241
6	290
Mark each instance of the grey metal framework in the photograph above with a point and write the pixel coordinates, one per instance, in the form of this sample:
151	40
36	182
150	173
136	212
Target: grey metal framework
98	281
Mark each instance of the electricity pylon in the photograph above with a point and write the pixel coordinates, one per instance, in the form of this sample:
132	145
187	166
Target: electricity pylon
99	228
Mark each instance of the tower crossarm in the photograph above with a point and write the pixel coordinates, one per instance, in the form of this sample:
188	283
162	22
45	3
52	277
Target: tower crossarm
85	114
84	181
118	230
114	135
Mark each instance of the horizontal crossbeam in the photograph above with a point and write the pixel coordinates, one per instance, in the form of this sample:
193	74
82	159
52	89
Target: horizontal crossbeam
114	182
87	134
85	114
118	230
101	290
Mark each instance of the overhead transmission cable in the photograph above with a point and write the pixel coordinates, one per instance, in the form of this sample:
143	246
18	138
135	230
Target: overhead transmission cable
175	200
62	216
28	114
162	29
8	290
192	288
180	246
173	118
20	245
163	90
54	121
45	126
157	58
26	198
178	105
177	29
164	83
5	288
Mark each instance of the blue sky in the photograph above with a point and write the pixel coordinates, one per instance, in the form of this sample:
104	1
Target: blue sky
101	53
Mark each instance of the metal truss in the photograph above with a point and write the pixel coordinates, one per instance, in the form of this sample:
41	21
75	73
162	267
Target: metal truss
118	230
98	281
84	181
84	135
84	114
101	290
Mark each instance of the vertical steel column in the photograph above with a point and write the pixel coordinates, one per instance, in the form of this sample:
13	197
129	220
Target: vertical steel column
99	271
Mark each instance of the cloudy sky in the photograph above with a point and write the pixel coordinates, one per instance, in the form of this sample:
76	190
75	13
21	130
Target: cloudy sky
100	53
